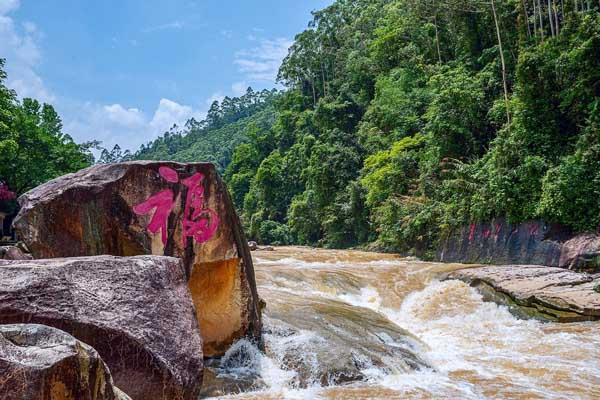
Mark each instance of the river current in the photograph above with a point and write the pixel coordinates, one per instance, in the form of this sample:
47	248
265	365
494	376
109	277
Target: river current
357	325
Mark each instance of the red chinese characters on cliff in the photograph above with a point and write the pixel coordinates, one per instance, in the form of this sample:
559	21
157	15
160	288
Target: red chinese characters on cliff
198	222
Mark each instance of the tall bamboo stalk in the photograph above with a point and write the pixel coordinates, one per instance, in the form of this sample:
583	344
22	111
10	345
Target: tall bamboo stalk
505	84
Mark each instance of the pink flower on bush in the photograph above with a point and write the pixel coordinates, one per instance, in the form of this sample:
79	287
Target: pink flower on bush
5	193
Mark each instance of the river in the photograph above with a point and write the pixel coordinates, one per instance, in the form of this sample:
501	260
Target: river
357	325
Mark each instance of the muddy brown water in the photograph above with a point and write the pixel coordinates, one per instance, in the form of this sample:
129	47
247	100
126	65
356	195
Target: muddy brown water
357	325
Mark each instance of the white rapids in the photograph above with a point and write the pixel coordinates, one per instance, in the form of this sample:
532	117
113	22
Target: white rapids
356	325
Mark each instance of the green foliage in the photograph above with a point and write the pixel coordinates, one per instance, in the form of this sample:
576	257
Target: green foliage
33	148
274	233
392	172
404	119
571	190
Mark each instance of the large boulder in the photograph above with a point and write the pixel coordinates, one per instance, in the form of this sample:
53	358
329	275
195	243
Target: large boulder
546	293
135	311
161	208
38	362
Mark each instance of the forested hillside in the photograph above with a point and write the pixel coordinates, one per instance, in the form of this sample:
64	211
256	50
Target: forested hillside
405	118
228	124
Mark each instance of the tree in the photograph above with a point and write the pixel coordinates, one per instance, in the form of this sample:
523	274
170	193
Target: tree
33	148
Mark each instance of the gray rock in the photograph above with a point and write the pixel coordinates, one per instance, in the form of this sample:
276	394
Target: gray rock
13	253
535	291
266	248
135	311
38	362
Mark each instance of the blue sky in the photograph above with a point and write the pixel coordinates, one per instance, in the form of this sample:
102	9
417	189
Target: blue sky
125	71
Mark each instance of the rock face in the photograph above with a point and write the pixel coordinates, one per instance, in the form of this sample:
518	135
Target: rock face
42	363
135	311
534	242
161	208
542	292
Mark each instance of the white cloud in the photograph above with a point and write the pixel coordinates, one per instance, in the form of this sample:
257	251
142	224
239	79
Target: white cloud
170	25
227	33
262	63
127	127
239	88
7	6
169	113
217	96
129	117
21	50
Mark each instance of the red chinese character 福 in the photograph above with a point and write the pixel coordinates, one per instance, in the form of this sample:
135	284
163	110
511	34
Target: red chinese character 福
198	222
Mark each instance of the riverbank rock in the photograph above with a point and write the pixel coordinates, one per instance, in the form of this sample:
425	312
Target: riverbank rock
135	311
13	253
533	242
161	208
541	292
38	362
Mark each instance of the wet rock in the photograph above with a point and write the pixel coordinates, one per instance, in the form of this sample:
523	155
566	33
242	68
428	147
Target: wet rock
540	292
38	362
161	208
581	252
532	242
267	248
135	311
218	382
13	253
237	371
252	245
331	343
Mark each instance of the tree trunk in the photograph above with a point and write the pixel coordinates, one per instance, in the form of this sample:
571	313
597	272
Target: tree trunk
541	20
535	25
526	18
437	38
312	84
505	84
556	21
550	19
324	81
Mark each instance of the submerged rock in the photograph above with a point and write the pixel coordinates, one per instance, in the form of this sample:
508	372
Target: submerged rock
135	311
535	291
38	362
161	208
329	342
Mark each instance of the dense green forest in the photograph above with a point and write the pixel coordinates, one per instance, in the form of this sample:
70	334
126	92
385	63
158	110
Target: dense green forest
406	118
228	124
33	148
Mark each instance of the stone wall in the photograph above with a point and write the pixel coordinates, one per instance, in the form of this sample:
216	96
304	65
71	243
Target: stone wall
532	242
